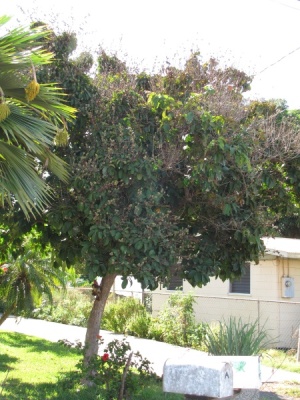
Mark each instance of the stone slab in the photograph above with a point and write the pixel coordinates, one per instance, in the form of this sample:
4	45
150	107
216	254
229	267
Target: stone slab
202	376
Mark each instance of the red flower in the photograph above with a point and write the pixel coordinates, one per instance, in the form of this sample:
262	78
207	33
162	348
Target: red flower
105	357
4	267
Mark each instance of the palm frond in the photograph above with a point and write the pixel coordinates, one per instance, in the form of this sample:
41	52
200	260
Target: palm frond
19	177
23	128
14	47
28	132
52	99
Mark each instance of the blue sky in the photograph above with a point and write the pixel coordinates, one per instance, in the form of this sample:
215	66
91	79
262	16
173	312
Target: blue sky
260	37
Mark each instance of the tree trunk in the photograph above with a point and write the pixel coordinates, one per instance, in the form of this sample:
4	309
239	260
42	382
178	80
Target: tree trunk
93	325
6	314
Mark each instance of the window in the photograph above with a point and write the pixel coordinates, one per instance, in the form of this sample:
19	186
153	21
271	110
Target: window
242	285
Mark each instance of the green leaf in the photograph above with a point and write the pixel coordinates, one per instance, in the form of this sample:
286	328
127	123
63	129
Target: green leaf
227	209
118	235
104	172
137	210
123	249
138	245
124	283
189	117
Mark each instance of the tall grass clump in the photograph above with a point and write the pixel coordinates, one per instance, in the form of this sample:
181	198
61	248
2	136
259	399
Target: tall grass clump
235	338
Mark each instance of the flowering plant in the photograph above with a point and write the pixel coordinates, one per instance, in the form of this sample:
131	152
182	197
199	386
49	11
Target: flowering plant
105	357
117	370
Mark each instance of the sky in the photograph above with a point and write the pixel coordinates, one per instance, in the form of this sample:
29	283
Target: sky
261	37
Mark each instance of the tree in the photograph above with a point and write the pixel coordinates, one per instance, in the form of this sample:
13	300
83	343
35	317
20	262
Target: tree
32	115
169	168
24	279
176	168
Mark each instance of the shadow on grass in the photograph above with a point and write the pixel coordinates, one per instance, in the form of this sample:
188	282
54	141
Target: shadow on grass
33	344
5	361
65	389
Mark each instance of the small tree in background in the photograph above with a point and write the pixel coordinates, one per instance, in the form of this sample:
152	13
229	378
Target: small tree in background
26	278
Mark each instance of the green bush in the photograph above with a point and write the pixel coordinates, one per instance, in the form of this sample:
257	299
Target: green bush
235	338
71	307
176	323
155	331
119	316
139	324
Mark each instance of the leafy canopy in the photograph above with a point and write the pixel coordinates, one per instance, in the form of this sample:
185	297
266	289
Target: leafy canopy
170	168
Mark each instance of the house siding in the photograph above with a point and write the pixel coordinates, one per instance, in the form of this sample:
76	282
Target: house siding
279	315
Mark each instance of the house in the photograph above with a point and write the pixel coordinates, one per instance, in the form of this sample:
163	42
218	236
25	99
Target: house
268	292
133	289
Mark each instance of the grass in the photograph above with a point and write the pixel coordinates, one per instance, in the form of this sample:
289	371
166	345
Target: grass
285	389
291	390
281	359
33	369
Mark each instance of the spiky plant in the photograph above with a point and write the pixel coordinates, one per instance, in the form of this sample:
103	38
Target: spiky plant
236	338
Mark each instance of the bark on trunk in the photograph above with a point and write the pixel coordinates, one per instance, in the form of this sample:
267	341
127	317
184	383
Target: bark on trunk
93	325
6	314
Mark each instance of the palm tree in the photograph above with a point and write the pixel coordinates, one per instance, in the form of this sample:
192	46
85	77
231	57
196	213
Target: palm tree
25	279
32	117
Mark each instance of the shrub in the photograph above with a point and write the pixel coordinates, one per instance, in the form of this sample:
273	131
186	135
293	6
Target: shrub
176	323
155	331
119	315
139	324
235	338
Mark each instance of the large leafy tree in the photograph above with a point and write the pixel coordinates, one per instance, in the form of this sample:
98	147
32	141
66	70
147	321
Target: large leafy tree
176	167
32	115
173	168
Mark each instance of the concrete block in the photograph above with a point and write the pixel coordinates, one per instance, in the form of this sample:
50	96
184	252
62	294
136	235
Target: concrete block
246	370
198	376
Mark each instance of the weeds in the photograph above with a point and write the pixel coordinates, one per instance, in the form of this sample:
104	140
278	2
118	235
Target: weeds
72	307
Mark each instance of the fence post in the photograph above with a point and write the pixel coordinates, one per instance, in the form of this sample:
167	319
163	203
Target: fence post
258	315
298	351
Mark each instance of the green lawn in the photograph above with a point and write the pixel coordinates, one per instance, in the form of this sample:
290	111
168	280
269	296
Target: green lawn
35	369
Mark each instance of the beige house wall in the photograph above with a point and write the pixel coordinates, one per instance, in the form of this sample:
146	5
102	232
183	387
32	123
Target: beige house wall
279	315
266	282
